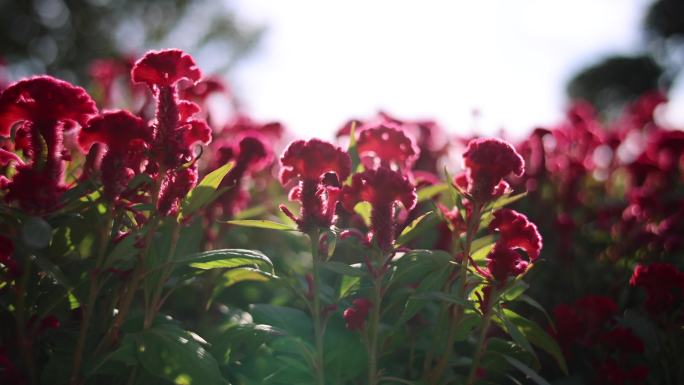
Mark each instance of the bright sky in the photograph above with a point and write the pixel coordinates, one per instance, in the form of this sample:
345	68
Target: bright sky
322	62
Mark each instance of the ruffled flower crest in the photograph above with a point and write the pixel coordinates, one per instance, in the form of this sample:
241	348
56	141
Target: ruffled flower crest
487	162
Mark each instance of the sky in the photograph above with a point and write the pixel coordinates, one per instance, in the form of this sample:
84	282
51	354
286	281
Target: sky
471	65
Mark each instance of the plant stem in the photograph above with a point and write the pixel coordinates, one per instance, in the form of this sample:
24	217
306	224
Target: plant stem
105	231
156	302
373	326
472	226
481	342
20	318
319	365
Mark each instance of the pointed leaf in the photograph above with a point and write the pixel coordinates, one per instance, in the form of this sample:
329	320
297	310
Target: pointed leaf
205	191
261	224
416	228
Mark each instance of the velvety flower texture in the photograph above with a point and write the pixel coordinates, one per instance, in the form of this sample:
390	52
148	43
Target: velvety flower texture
664	286
319	166
127	138
355	316
516	232
488	160
175	130
46	107
381	188
386	146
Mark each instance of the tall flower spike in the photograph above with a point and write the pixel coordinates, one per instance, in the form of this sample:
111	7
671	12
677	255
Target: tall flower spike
47	107
381	188
487	161
127	138
175	129
386	146
309	162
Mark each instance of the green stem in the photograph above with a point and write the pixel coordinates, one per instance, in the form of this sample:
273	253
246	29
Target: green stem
105	231
319	365
481	342
373	326
156	302
473	224
24	341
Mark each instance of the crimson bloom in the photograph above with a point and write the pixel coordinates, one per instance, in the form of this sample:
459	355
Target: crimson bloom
488	160
319	166
175	131
127	138
517	232
355	316
664	285
386	146
47	107
381	188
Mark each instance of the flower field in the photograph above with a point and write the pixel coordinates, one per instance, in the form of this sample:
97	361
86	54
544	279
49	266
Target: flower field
141	242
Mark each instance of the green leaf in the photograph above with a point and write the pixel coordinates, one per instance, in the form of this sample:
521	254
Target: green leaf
531	374
243	274
441	296
530	301
205	191
538	337
417	227
343	269
432	282
416	264
293	321
364	210
227	258
480	254
251	212
52	270
348	285
352	150
515	333
169	352
261	224
36	232
427	193
514	290
507	200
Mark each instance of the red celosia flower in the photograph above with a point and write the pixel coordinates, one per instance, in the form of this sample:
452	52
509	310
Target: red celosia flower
250	154
386	146
165	68
488	160
47	107
381	188
611	372
175	132
663	283
583	322
355	316
127	137
309	162
504	262
517	231
7	258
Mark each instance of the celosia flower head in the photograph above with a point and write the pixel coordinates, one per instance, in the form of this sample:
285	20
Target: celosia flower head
165	68
381	188
47	107
386	146
126	137
664	285
487	161
314	163
517	231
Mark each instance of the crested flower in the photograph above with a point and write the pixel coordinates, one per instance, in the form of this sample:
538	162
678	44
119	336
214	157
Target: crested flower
664	285
319	167
127	138
46	107
517	231
386	146
382	188
488	161
251	154
175	131
355	316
